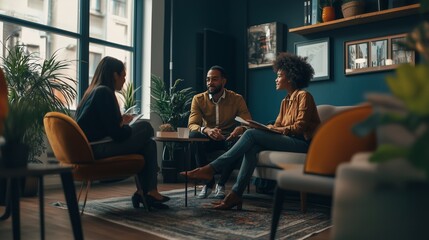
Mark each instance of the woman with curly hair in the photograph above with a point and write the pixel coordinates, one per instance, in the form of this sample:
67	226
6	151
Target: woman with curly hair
296	121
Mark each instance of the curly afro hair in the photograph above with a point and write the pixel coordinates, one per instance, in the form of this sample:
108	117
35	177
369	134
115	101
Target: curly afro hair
296	68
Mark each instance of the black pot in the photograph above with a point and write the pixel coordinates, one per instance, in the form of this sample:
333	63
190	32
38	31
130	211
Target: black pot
14	155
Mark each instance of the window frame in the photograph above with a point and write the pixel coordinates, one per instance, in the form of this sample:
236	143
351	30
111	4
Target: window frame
84	40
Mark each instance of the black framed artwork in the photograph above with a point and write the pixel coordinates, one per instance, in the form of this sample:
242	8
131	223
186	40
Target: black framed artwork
317	53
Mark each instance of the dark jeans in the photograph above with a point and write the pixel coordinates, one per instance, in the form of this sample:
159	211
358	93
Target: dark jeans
200	151
140	142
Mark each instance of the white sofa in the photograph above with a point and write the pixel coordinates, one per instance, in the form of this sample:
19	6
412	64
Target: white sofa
271	163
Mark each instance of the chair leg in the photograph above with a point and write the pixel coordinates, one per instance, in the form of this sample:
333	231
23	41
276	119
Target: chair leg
303	202
80	191
88	186
277	209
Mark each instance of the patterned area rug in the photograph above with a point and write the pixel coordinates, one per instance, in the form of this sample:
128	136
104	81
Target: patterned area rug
199	221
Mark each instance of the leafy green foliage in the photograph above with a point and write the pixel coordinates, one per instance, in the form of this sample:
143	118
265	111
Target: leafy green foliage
35	87
172	106
128	94
410	85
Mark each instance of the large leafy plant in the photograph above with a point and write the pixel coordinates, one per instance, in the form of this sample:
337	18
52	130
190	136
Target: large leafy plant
35	87
172	105
410	89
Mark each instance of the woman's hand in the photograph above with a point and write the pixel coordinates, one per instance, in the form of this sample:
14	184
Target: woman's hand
126	119
277	129
236	133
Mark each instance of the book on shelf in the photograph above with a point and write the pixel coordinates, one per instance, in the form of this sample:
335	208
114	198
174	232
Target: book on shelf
255	124
316	12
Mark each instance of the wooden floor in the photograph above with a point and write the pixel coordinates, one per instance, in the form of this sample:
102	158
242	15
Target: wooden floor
57	224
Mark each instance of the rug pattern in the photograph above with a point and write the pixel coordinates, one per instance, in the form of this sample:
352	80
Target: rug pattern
199	221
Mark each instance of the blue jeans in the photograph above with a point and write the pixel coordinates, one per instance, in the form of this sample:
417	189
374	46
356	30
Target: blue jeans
248	146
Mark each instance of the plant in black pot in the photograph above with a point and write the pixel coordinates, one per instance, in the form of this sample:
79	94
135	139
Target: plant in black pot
173	107
35	87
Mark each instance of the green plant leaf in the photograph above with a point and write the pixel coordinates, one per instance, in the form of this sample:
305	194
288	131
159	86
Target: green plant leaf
173	105
35	87
419	152
387	152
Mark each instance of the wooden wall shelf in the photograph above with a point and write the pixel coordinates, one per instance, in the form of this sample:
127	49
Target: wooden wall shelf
359	19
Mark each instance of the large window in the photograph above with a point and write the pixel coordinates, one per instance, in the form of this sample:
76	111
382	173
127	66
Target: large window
48	26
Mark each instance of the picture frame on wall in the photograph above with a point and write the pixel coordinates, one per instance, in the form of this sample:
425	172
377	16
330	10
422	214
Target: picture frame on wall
318	55
376	54
263	43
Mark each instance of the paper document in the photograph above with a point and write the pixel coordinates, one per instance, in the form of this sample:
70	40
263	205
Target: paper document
255	124
104	140
135	118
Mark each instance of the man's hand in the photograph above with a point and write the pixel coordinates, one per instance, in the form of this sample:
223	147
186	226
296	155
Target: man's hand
214	133
236	133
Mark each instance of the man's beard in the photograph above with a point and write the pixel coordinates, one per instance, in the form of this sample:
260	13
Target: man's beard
215	91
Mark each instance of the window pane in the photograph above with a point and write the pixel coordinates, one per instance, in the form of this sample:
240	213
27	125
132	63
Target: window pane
44	44
97	52
51	13
113	23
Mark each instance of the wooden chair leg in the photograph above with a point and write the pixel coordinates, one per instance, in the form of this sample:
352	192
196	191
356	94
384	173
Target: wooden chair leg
303	202
80	191
277	209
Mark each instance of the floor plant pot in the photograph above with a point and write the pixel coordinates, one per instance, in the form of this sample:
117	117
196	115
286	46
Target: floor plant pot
14	155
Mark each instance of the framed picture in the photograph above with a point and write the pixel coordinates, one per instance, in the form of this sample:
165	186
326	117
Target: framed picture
263	44
317	53
376	54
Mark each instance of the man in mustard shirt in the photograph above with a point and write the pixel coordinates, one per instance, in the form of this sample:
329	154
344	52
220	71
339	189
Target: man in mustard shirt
212	116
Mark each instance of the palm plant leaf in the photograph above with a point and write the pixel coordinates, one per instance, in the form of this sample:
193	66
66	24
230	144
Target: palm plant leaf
172	106
35	87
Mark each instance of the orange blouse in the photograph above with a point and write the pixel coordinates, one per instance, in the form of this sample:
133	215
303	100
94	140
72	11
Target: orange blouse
298	114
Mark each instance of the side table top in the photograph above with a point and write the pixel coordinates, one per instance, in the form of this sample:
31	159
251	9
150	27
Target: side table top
176	139
34	170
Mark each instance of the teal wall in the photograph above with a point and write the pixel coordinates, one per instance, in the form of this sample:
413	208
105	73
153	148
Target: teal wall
258	86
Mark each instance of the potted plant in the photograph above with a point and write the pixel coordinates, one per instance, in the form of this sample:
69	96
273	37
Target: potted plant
35	87
328	10
352	8
173	107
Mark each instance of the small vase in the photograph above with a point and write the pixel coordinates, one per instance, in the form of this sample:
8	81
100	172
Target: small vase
328	14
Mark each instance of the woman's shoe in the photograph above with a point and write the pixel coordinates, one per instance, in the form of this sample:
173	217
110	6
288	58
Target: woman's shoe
136	199
155	203
202	173
151	199
231	200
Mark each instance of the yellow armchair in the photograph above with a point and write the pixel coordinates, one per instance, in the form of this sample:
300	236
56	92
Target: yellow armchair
71	148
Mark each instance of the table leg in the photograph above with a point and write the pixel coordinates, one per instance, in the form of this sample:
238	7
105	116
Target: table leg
6	213
41	208
14	204
70	195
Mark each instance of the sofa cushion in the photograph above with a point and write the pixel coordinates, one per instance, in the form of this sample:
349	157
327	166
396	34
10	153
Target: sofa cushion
276	159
